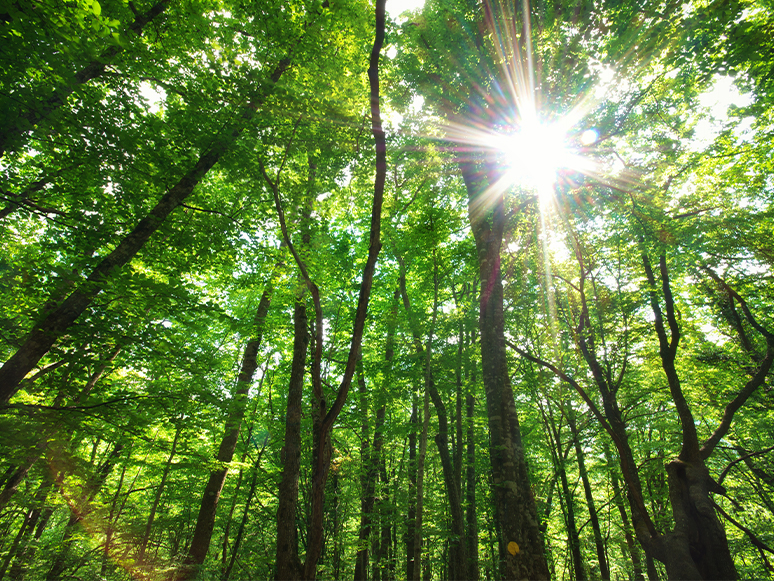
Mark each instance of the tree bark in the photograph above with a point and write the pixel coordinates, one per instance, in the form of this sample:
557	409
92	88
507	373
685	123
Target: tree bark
604	570
518	524
367	483
205	522
287	562
157	498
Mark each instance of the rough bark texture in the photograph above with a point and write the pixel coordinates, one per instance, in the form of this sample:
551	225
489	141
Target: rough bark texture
518	524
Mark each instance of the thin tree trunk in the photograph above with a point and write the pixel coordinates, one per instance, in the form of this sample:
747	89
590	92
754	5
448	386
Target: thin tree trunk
323	428
157	498
604	570
417	548
471	525
245	512
205	522
634	553
56	323
457	553
80	509
367	483
411	513
38	515
110	522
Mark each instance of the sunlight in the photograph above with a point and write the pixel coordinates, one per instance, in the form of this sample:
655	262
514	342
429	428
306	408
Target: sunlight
534	154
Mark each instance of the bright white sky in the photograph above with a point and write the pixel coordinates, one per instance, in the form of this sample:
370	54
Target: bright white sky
395	7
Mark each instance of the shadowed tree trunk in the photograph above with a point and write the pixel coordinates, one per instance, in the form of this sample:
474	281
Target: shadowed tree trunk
288	565
205	522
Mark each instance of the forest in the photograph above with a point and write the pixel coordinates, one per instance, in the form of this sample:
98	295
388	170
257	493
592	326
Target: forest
313	289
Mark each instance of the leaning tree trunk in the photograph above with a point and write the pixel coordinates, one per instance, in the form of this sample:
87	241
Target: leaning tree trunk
518	524
205	522
55	324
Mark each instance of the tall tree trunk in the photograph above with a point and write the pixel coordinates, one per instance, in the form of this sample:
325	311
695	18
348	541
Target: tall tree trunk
367	483
287	562
411	514
205	522
518	524
38	515
457	546
11	135
634	553
323	427
110	524
604	570
245	512
48	330
419	504
697	547
157	498
559	456
471	523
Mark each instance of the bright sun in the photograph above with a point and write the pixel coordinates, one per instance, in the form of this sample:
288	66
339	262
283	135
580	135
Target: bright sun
535	153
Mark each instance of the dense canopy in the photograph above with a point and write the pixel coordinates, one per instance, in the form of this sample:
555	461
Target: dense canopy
297	289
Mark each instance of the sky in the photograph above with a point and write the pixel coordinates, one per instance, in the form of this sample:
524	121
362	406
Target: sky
395	7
